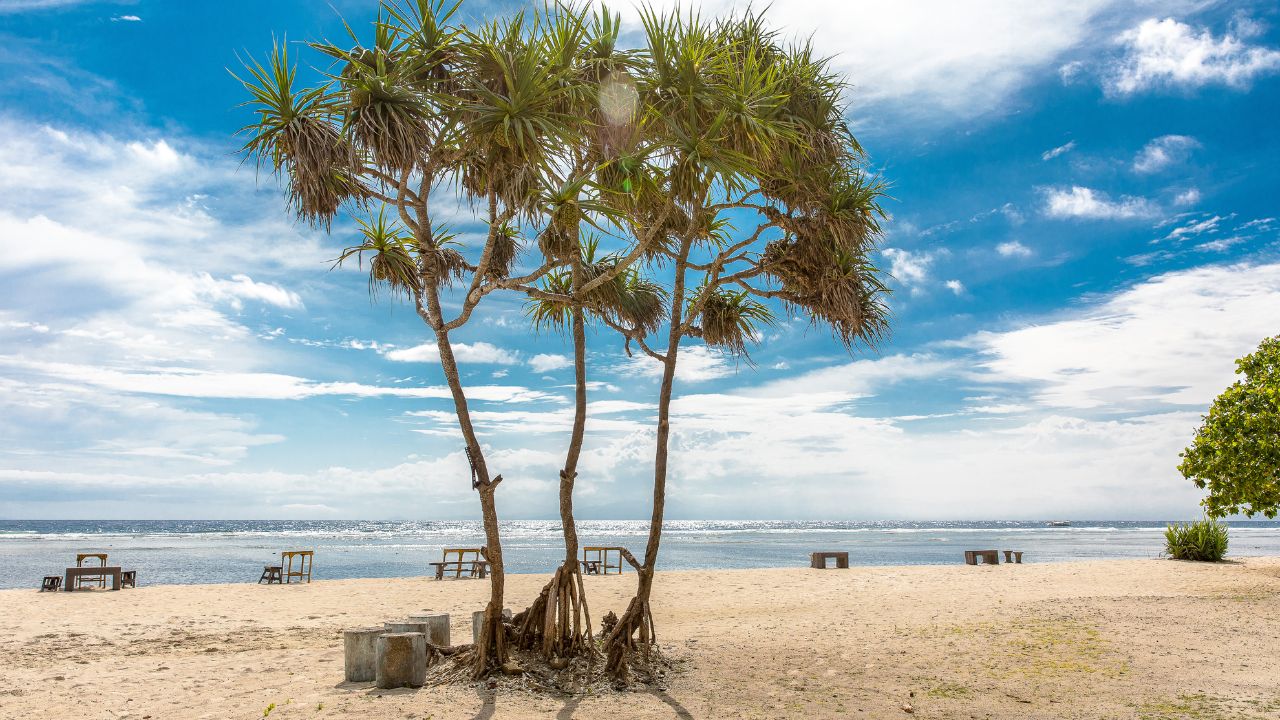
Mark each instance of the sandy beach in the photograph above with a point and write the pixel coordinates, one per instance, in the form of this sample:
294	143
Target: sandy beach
1098	639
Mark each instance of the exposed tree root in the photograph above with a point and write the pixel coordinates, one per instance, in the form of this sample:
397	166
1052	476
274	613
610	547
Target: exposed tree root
634	631
558	623
490	651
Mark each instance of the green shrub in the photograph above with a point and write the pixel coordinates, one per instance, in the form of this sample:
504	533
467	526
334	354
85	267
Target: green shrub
1200	540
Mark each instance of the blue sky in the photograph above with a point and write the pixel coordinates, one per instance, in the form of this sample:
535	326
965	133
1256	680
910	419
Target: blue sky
1083	238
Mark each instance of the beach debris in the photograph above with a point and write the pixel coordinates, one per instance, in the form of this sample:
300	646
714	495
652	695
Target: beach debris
908	708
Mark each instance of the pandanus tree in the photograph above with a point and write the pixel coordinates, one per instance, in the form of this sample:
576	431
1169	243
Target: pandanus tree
734	127
495	116
559	622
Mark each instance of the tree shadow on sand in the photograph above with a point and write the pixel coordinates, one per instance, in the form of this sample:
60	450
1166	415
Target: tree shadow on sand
571	705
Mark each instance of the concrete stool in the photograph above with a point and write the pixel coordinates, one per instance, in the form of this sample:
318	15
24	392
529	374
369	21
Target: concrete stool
360	652
404	627
402	660
477	620
437	627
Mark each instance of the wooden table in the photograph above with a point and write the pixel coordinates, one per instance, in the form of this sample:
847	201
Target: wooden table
74	572
819	560
470	556
305	559
988	557
599	564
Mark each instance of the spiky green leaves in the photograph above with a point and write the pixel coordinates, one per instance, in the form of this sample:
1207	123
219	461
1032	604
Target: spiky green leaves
730	320
391	256
296	137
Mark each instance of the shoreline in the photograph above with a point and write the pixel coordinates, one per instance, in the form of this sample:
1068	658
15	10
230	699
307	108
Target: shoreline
1086	639
630	573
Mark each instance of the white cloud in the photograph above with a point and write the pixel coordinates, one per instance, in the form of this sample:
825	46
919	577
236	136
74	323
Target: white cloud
477	352
1087	203
695	363
1060	150
126	18
1013	248
1162	152
955	286
1190	196
1195	227
912	268
942	60
1168	53
545	362
1170	340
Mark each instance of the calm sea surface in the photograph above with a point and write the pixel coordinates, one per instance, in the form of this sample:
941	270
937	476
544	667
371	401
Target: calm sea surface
234	551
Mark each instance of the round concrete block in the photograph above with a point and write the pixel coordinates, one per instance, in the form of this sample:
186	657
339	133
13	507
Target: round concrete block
477	621
437	627
405	627
402	660
360	652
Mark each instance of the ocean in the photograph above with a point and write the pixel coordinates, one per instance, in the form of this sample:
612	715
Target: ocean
228	551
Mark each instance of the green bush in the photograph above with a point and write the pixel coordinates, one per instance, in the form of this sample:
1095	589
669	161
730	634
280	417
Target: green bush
1200	540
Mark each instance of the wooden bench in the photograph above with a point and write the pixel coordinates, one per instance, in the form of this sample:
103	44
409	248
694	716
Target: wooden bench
75	573
819	560
458	559
599	562
475	568
989	557
51	583
271	574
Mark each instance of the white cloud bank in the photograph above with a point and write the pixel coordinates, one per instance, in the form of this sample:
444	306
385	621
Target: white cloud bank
1089	204
1171	54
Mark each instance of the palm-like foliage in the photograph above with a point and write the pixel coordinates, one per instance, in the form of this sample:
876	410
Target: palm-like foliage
295	136
391	262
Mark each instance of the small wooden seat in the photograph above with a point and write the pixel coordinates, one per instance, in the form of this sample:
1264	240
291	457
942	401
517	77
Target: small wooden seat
272	574
51	583
474	568
129	578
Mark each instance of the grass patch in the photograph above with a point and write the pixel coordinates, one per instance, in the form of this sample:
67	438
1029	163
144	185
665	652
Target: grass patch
949	691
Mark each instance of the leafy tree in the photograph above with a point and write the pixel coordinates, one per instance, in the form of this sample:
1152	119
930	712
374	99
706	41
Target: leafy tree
729	124
1236	451
501	114
558	622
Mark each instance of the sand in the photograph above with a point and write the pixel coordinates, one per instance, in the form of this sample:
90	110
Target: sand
1099	639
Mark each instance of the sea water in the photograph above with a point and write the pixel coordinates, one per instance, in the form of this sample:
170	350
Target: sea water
219	551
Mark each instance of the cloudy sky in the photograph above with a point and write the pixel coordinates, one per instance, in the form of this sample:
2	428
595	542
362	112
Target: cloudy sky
1083	239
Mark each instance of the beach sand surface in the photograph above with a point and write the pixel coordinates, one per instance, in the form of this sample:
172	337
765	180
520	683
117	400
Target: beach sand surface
1099	639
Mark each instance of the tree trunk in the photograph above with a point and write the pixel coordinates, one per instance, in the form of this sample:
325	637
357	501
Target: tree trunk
491	650
638	618
558	621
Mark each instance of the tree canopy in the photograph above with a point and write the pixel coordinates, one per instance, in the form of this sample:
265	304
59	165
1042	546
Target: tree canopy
1236	451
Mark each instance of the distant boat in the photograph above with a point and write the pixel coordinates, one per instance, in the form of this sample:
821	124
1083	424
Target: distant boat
1059	523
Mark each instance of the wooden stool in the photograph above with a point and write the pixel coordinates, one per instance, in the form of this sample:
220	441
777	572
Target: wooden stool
1017	557
272	574
129	578
51	583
